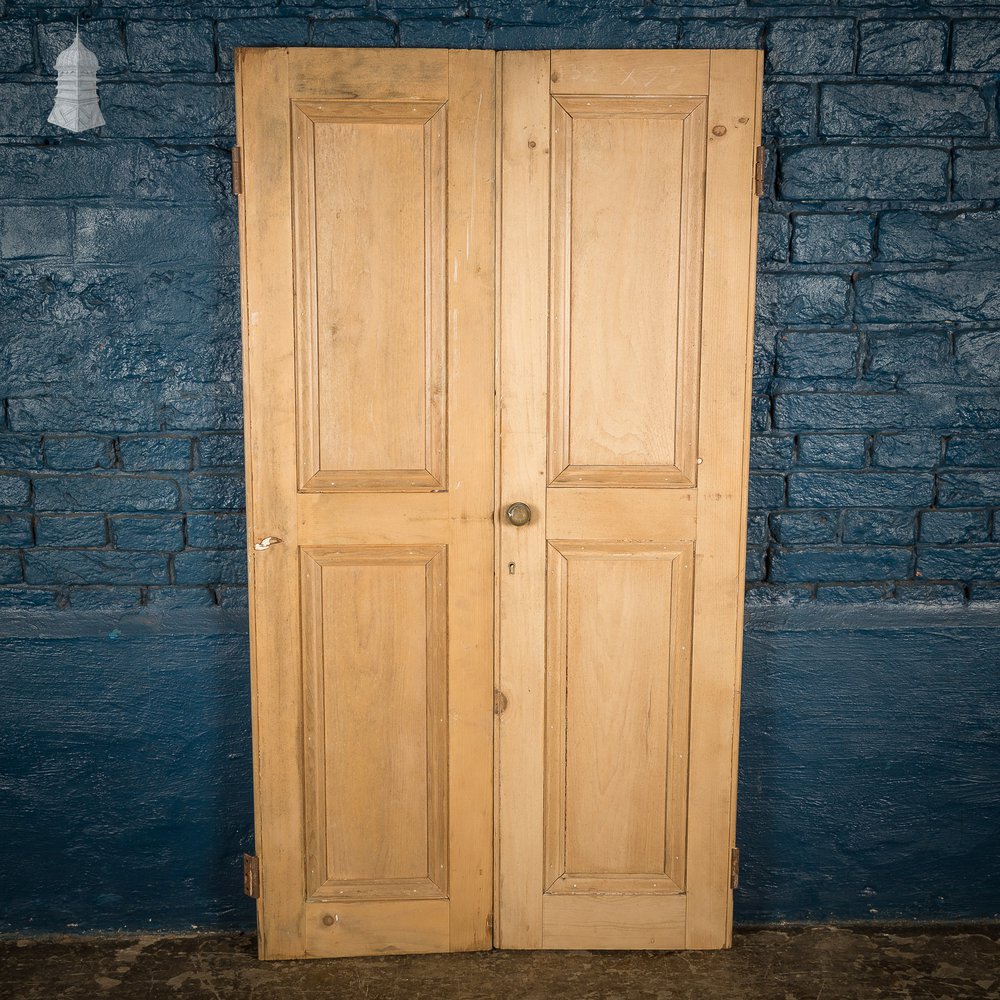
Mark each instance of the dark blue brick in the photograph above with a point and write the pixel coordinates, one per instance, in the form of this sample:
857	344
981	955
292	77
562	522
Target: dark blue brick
103	598
834	594
890	109
817	355
145	454
104	38
928	297
171	46
835	451
777	597
27	597
772	237
164	173
14	491
210	567
977	173
771	452
257	32
760	413
975	45
939	595
802	299
16	47
821	239
804	526
216	492
954	526
879	527
172	598
78	453
973	450
811	45
58	566
725	33
860	489
20	451
969	489
147	534
26	108
232	597
35	232
148	235
71	531
355	31
15	530
840	564
822	411
766	491
755	564
902	47
164	111
958	563
907	451
110	492
10	568
220	451
977	357
832	173
910	359
216	531
757	529
789	110
921	237
984	594
66	171
459	32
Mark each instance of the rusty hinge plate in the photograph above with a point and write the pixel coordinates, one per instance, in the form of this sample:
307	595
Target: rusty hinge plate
251	875
237	170
734	868
758	172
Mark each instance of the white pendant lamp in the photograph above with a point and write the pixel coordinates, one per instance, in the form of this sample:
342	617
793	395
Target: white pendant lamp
76	107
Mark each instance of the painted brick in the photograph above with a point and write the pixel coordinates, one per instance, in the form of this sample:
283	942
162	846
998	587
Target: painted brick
216	492
26	109
766	491
977	357
71	531
832	173
64	566
103	598
928	297
811	45
14	491
834	451
822	411
981	594
771	452
755	564
16	47
804	526
952	527
141	454
32	232
879	527
171	46
959	563
973	450
10	568
20	451
834	594
216	531
772	237
922	237
220	451
146	110
27	597
903	47
354	31
890	109
258	31
940	594
147	235
66	171
463	32
78	453
977	173
777	597
839	564
172	598
817	355
105	38
702	33
202	174
789	110
232	597
147	534
921	450
757	529
822	239
110	492
15	530
975	45
860	489
969	489
910	359
802	299
760	413
210	567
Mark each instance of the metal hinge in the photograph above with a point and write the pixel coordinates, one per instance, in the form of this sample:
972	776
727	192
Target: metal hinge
237	170
734	868
251	875
758	172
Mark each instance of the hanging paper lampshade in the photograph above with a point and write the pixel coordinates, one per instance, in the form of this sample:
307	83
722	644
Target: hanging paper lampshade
76	107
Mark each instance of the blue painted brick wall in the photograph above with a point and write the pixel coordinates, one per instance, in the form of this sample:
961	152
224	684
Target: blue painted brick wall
878	321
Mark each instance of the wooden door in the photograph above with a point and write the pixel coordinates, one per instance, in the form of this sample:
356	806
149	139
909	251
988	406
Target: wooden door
627	242
367	228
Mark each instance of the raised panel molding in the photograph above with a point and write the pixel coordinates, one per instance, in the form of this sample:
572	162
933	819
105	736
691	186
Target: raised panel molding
624	354
375	729
369	184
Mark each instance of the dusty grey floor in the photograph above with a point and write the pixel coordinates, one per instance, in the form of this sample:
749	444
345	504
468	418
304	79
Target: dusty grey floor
786	964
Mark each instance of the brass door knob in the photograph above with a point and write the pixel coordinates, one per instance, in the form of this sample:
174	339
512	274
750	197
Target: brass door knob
519	514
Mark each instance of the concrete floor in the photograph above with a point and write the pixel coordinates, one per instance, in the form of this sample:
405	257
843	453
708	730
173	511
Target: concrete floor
788	964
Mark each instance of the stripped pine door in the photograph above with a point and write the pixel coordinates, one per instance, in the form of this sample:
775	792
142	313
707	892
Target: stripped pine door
627	240
367	224
557	510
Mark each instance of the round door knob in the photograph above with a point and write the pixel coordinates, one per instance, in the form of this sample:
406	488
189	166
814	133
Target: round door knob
519	514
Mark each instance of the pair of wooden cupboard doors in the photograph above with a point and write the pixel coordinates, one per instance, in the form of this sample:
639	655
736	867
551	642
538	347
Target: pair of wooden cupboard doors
472	279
